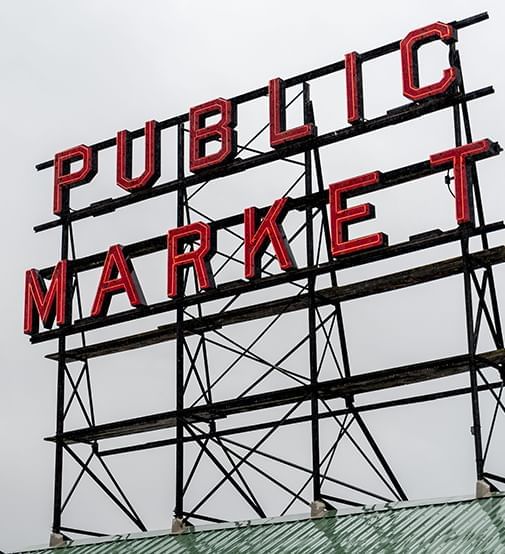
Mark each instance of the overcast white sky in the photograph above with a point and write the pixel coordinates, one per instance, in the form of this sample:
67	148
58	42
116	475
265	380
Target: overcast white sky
77	72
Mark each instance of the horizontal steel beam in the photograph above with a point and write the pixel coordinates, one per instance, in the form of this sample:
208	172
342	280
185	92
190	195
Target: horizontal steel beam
385	283
430	239
405	401
335	388
389	179
397	115
289	82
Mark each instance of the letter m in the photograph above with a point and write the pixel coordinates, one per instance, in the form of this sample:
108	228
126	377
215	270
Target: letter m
46	304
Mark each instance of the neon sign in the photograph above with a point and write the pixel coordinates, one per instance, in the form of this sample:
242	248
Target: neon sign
118	275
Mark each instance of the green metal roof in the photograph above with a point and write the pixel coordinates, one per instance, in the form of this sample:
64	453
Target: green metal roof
458	526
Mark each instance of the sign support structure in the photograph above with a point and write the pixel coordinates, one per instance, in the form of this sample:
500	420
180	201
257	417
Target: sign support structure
207	428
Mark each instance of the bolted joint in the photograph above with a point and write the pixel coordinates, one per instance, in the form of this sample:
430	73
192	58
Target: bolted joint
55	539
317	509
178	525
482	489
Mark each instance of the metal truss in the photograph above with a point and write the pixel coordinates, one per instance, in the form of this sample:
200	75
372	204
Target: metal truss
207	430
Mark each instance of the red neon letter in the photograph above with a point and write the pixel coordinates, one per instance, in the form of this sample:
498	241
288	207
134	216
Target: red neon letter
341	216
278	133
117	276
198	258
152	159
43	303
456	158
200	135
256	234
354	85
64	178
410	71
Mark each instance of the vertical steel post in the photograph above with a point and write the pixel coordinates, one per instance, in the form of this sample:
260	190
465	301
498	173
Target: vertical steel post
179	455
60	391
455	60
311	285
349	400
467	277
333	273
476	427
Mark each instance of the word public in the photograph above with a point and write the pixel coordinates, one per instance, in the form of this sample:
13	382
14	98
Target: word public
48	302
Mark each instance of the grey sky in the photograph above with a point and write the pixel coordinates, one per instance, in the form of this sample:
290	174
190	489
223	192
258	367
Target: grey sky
77	72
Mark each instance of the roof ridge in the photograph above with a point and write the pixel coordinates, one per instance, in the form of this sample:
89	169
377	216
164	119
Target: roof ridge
344	512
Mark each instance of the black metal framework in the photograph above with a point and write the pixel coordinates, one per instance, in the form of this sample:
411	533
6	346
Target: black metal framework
213	425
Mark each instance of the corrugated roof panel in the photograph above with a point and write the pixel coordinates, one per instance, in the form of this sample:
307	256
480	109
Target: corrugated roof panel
451	527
